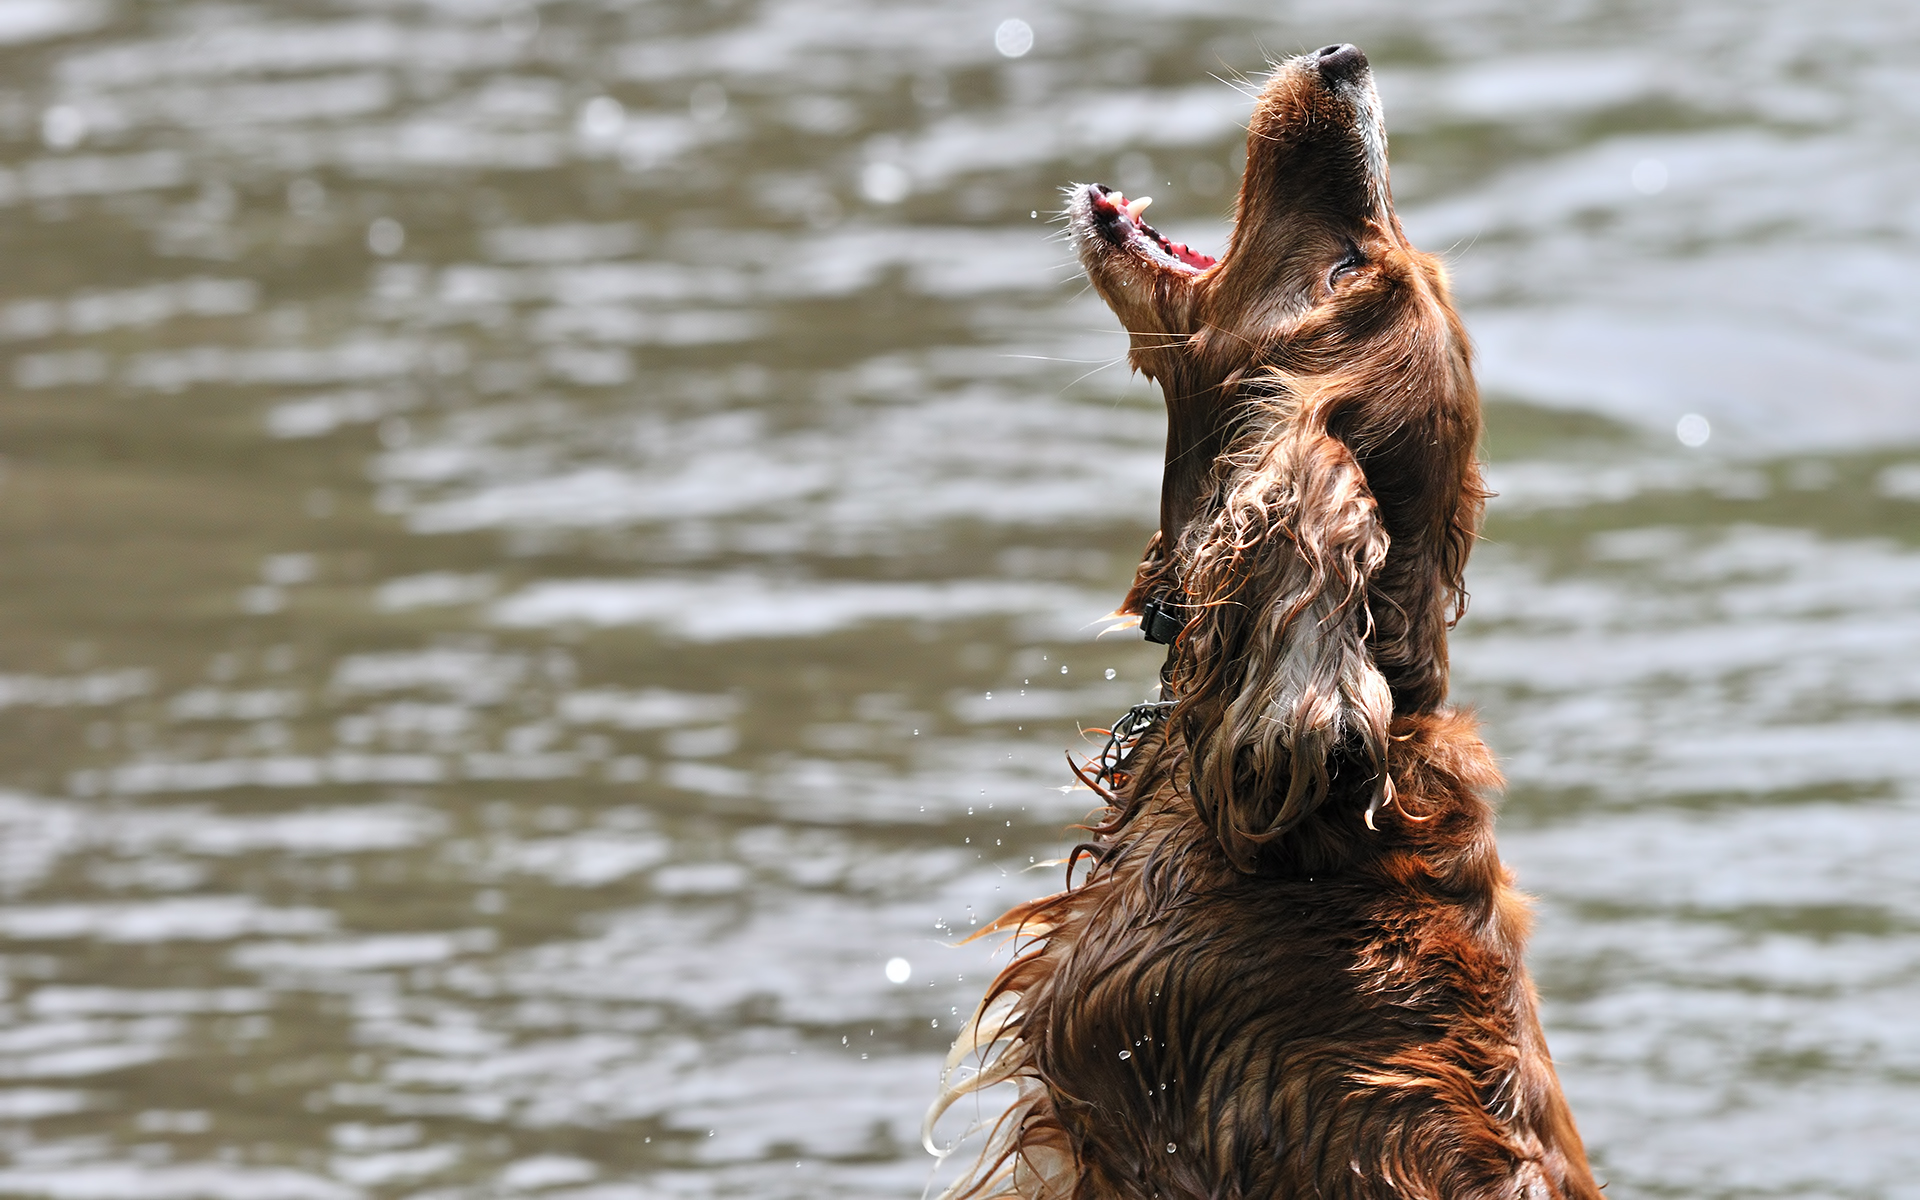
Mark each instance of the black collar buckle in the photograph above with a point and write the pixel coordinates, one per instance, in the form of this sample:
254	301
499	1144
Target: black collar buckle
1161	622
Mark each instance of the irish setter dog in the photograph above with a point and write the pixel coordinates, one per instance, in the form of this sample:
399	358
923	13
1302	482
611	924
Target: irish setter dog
1292	966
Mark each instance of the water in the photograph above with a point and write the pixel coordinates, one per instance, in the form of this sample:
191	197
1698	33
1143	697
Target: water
543	547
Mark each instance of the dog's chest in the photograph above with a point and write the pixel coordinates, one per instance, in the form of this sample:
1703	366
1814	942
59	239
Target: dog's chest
1178	975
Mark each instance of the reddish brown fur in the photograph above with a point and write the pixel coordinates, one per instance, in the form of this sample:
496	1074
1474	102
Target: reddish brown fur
1295	923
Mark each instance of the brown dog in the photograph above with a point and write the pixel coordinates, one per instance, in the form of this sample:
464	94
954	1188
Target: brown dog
1293	967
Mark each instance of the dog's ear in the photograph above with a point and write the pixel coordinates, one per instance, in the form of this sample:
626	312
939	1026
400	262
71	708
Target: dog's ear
1280	699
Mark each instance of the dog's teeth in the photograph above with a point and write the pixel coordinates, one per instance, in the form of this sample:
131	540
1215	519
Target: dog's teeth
1136	207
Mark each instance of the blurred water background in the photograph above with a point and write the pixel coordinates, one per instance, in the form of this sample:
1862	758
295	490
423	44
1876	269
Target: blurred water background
540	546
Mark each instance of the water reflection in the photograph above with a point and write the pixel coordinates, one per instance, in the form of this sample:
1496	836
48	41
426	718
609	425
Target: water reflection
548	548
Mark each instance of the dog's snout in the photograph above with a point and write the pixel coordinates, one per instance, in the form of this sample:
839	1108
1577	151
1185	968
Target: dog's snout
1340	62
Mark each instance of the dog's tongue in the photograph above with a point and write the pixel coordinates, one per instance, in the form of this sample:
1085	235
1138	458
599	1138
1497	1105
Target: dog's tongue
1190	256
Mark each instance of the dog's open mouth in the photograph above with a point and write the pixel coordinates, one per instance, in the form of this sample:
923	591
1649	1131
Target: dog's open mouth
1117	219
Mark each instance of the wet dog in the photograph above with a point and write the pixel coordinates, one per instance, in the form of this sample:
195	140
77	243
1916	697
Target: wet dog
1292	963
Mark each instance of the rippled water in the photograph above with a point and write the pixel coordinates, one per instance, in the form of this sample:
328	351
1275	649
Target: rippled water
532	538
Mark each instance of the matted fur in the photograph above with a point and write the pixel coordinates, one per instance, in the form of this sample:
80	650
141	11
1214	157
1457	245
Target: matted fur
1292	966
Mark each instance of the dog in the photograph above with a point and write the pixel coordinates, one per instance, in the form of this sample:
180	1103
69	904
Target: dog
1292	964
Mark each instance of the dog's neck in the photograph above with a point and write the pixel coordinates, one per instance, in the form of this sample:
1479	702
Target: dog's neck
1419	468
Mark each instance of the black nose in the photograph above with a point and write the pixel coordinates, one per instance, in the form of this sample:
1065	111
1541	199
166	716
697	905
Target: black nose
1340	62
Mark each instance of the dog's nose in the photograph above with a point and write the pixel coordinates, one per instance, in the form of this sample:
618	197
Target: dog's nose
1340	62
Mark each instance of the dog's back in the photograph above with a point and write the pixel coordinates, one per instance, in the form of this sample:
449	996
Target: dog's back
1292	965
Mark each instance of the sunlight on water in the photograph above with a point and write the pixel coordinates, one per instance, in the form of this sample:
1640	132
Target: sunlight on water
553	552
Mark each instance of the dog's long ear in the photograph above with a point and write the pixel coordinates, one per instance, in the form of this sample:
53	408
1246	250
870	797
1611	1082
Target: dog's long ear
1280	698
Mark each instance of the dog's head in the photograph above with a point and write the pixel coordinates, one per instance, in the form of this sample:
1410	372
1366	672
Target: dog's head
1321	491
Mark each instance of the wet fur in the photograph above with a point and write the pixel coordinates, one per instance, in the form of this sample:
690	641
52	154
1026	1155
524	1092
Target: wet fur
1292	965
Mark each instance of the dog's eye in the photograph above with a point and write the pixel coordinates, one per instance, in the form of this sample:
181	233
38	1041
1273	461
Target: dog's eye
1346	266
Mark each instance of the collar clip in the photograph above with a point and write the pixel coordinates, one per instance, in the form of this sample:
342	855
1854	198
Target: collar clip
1161	622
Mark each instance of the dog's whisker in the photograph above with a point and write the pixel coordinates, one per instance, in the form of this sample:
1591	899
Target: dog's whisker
1085	375
1052	358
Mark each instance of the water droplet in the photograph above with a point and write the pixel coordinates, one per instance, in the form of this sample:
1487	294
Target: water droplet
1693	430
1013	38
843	1039
62	127
989	695
1171	1147
1111	672
1063	668
708	103
386	236
936	1022
899	970
1035	214
1125	1055
601	120
885	183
